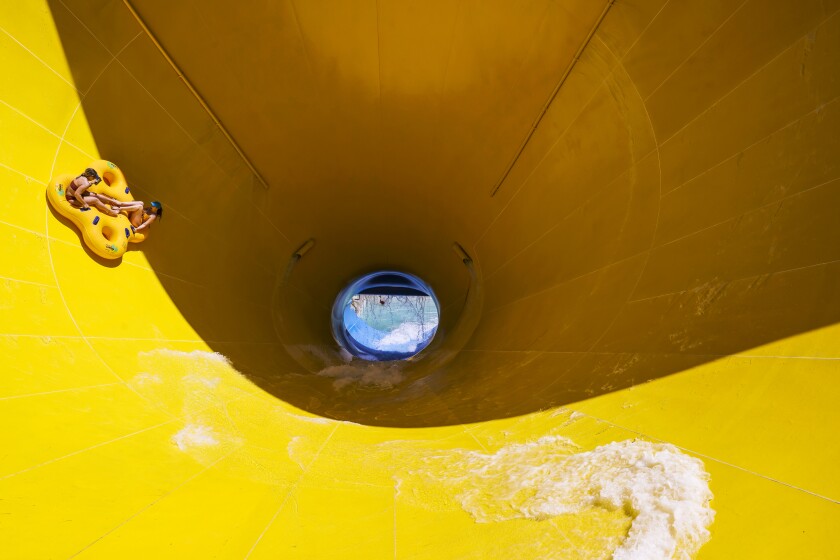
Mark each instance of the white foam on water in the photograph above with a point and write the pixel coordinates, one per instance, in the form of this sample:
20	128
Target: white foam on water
209	382
405	337
370	375
312	419
144	378
665	491
195	354
194	435
291	450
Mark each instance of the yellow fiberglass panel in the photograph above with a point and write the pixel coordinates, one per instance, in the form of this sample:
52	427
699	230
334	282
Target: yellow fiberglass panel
638	349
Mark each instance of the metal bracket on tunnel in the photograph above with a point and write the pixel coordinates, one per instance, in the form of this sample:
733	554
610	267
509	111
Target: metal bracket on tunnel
451	341
462	254
278	297
296	256
303	249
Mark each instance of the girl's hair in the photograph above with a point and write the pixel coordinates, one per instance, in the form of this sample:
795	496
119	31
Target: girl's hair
158	208
91	172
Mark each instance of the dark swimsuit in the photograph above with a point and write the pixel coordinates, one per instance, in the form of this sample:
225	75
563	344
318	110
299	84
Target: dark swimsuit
70	193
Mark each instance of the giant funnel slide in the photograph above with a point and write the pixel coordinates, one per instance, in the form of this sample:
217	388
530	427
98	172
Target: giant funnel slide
628	211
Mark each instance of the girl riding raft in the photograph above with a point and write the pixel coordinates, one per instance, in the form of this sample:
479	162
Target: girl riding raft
140	215
78	196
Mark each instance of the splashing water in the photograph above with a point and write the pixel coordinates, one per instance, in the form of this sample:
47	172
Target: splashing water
405	337
194	435
665	491
370	376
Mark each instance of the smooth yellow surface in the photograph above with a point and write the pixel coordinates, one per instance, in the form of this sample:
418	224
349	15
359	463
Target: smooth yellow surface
110	235
662	262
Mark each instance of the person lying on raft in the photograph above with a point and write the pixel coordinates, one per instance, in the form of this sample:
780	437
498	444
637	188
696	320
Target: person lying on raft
78	196
140	215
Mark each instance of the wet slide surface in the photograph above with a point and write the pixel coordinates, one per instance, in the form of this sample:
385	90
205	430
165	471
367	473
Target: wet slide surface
638	359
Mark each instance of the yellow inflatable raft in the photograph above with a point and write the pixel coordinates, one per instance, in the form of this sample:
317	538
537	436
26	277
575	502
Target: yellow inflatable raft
107	236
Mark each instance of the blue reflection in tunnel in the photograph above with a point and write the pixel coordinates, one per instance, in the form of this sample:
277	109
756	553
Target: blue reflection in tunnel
394	341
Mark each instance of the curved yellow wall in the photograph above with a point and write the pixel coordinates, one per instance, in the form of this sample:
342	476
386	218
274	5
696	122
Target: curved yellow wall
658	259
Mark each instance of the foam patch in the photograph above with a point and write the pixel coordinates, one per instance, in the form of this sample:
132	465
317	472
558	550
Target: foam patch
664	491
194	435
371	376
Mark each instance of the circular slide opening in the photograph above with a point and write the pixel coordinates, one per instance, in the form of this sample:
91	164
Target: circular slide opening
385	316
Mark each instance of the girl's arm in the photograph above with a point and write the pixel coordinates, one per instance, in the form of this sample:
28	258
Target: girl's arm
78	194
146	224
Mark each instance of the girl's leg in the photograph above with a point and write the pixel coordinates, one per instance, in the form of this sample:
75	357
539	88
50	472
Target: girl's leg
103	198
118	204
127	205
102	207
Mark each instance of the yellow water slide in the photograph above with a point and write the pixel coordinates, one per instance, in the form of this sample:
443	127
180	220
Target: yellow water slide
629	211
